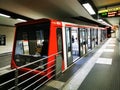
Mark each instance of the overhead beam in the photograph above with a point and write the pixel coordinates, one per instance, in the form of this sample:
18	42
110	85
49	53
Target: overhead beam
93	6
14	15
81	18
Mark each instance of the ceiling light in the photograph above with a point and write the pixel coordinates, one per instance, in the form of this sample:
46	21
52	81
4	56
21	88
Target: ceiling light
89	8
104	22
21	20
4	15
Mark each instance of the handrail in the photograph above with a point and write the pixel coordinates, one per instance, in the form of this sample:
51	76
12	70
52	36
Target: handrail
17	84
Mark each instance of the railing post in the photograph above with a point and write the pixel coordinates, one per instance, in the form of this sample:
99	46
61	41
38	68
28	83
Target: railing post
55	57
16	79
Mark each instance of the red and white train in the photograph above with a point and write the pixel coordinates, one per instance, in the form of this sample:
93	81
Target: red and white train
45	37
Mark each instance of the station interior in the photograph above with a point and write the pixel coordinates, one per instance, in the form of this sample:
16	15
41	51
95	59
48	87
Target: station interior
86	73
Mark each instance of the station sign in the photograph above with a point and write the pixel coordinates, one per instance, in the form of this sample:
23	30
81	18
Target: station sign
112	12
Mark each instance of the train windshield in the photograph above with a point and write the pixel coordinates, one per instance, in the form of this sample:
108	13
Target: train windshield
31	43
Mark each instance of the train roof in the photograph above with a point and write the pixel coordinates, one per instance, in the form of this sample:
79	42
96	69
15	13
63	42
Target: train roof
69	24
35	21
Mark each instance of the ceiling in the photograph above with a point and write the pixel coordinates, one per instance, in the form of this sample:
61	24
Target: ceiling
104	4
57	9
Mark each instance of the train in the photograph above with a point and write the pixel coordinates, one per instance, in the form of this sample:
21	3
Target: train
42	38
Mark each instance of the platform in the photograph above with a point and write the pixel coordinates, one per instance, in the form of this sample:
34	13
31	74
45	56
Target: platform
98	70
92	72
5	60
105	75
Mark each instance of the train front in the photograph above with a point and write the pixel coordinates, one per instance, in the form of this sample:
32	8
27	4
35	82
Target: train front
31	46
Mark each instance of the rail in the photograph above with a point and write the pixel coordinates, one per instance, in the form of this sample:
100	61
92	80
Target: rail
19	81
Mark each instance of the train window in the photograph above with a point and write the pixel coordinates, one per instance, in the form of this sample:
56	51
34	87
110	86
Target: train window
31	43
96	41
89	39
59	57
83	41
40	38
59	38
75	43
68	39
69	45
25	43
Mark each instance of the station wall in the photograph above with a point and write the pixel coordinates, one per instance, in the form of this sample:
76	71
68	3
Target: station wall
8	31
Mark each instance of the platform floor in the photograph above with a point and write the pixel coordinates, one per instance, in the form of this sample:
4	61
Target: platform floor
99	70
5	60
105	75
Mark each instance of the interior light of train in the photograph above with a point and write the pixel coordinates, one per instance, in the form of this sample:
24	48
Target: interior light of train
89	8
4	15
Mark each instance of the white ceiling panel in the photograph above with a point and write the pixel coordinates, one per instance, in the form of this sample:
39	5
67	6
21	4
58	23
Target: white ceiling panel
56	9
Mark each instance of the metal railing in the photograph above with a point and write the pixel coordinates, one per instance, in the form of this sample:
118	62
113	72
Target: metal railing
34	81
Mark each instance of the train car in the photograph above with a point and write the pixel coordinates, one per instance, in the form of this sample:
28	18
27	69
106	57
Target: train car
42	38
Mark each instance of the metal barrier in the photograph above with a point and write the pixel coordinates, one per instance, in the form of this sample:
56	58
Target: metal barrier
35	81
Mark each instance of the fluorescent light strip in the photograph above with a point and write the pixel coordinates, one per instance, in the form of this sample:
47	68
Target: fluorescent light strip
89	8
4	15
21	20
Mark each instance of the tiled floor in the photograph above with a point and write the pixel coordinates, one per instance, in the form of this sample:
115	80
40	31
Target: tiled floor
5	63
105	76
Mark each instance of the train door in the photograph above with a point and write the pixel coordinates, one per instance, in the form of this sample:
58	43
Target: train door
83	41
92	38
75	43
104	34
86	39
59	57
89	40
96	41
99	36
68	46
96	36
